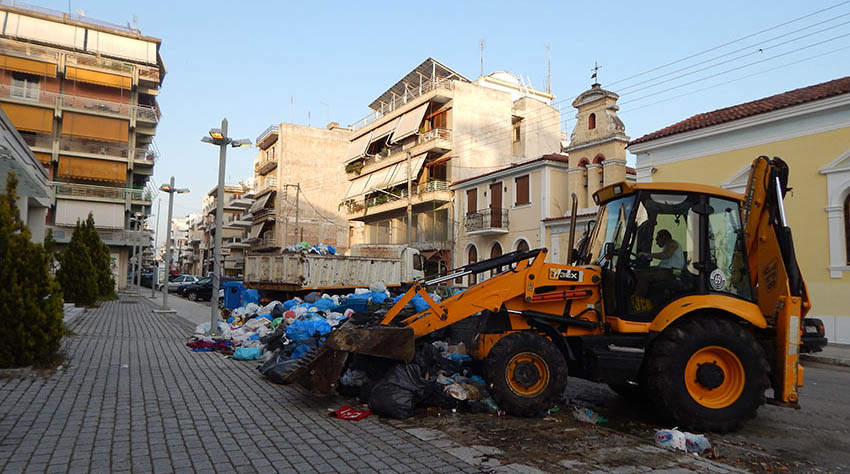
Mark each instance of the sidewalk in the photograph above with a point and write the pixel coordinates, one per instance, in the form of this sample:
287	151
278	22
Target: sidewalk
833	354
195	313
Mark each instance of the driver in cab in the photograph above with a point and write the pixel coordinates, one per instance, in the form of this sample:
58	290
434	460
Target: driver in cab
671	255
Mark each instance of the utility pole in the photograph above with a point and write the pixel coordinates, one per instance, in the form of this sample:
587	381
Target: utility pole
409	201
548	68
298	235
168	245
481	44
216	278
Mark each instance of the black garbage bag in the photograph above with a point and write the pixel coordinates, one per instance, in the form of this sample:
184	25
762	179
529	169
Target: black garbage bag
436	396
399	392
277	311
274	340
277	367
312	297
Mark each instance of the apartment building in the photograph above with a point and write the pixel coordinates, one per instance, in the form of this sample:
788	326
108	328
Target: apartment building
235	223
430	128
299	185
193	264
82	93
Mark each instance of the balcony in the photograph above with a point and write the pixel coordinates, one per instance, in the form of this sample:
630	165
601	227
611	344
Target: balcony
240	201
29	51
384	202
266	243
270	184
438	140
114	237
90	105
99	63
486	221
245	221
145	156
269	136
234	245
263	167
74	190
400	101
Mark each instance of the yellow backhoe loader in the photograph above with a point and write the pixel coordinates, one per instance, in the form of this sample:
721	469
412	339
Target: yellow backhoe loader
687	294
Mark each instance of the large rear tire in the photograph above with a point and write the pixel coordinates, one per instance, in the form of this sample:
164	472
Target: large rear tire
707	374
527	373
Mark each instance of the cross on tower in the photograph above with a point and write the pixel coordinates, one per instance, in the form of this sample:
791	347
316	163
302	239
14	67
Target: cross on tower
595	69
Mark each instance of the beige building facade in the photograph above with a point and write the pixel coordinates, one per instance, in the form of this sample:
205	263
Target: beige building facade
235	225
429	129
299	185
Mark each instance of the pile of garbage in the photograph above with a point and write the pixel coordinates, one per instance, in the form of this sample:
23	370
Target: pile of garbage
305	247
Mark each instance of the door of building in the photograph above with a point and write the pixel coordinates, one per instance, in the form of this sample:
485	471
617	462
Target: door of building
496	205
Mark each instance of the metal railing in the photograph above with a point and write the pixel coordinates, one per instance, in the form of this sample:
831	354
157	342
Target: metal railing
29	50
98	62
69	16
402	100
266	132
486	219
434	134
62	234
265	242
146	155
268	183
262	163
103	192
76	102
384	198
94	147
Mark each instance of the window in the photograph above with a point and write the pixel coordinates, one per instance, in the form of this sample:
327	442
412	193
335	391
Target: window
24	86
438	172
591	121
472	201
728	267
438	120
847	229
496	251
521	187
522	246
517	131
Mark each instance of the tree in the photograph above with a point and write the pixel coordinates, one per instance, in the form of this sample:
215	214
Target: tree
76	272
30	299
99	254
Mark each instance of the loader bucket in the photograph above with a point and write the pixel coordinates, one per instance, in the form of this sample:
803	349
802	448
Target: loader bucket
320	369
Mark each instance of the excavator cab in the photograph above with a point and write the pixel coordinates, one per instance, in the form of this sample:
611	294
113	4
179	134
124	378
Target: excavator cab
655	246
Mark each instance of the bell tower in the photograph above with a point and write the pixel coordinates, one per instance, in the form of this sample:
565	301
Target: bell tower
597	144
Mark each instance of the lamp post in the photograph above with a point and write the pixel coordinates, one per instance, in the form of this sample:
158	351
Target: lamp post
155	275
138	218
218	136
170	189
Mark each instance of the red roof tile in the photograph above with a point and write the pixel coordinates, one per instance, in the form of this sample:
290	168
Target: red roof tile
756	107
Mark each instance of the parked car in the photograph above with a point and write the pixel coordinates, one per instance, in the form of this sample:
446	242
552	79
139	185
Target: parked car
814	336
202	289
176	281
146	279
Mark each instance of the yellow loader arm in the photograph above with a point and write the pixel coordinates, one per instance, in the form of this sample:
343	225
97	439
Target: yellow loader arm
774	272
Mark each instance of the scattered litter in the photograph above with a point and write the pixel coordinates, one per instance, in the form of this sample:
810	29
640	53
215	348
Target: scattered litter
676	440
349	413
125	366
247	353
586	415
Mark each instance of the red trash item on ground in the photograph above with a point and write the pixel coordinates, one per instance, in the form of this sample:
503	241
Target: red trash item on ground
349	413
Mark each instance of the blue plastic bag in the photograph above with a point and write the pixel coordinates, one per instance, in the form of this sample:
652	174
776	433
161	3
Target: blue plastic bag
250	296
289	304
305	329
247	353
324	304
300	350
378	298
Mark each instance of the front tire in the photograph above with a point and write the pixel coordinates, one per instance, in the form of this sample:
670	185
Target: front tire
527	373
193	296
708	374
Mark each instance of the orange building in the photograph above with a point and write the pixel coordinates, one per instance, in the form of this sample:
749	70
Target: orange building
82	93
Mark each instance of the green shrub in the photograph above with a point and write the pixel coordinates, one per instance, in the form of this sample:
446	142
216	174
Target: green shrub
76	272
31	326
99	254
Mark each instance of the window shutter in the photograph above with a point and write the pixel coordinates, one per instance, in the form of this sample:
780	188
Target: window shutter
521	185
471	201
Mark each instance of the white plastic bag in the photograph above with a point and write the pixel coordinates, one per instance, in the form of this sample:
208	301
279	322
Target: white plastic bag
671	439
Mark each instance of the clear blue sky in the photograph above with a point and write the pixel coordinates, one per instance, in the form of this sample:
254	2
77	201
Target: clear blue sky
248	60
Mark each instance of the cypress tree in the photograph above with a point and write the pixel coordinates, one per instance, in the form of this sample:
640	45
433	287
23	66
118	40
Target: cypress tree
76	272
30	299
99	254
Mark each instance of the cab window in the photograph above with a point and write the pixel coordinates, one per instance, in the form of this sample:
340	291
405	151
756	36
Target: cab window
727	262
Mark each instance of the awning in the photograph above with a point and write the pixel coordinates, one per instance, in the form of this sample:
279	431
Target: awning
92	169
380	178
29	119
27	65
409	123
43	157
400	175
384	130
99	78
357	148
255	231
99	128
260	203
358	186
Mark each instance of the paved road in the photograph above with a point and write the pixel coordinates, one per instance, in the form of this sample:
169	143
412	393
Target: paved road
815	438
134	399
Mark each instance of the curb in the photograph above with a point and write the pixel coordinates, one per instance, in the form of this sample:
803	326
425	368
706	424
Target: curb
826	360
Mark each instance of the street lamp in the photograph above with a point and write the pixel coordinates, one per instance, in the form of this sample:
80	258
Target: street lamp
170	189
218	137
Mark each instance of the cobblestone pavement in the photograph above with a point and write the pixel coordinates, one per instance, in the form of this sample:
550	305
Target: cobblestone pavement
133	399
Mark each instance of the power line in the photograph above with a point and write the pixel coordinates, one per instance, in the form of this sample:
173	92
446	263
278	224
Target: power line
715	48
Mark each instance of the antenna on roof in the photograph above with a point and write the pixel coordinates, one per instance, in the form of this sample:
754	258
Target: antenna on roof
481	44
548	68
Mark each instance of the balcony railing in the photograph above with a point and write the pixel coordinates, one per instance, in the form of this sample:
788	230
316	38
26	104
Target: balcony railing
69	16
384	198
63	234
434	134
402	100
99	63
146	155
29	51
270	183
272	129
102	192
486	219
265	243
263	167
76	102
